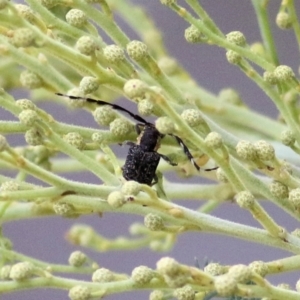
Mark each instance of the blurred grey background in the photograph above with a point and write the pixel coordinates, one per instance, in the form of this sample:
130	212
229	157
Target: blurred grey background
44	238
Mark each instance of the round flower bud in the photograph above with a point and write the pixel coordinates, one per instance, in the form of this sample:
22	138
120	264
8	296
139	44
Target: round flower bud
103	275
3	4
245	199
50	3
284	286
145	107
88	85
221	176
33	137
177	281
3	143
116	199
63	209
193	35
25	12
120	128
4	272
246	150
237	38
79	292
28	117
74	139
77	259
284	73
76	17
134	88
233	57
104	115
9	186
167	2
26	104
131	188
153	222
23	37
225	285
193	117
165	125
156	295
142	275
258	48
283	20
270	77
86	45
114	54
296	232
30	80
98	137
287	137
279	189
240	272
213	140
230	96
21	271
137	50
294	197
264	150
75	103
214	269
259	267
185	293
168	266
168	65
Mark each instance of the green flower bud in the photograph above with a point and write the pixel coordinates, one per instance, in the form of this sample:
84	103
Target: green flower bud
79	292
193	117
284	20
168	65
294	197
259	267
63	209
3	143
246	150
284	286
240	272
156	295
50	3
258	49
237	38
214	269
116	199
145	107
120	128
131	188
225	285
23	37
114	54
264	150
9	186
135	88
213	140
4	272
288	138
21	271
75	103
230	96
86	45
137	50
88	85
279	190
104	115
142	275
177	281
26	104
193	35
168	266
98	137
30	80
221	176
165	125
284	73
76	17
75	139
245	199
33	137
233	57
77	259
28	117
153	222
185	293
270	77
103	275
25	12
